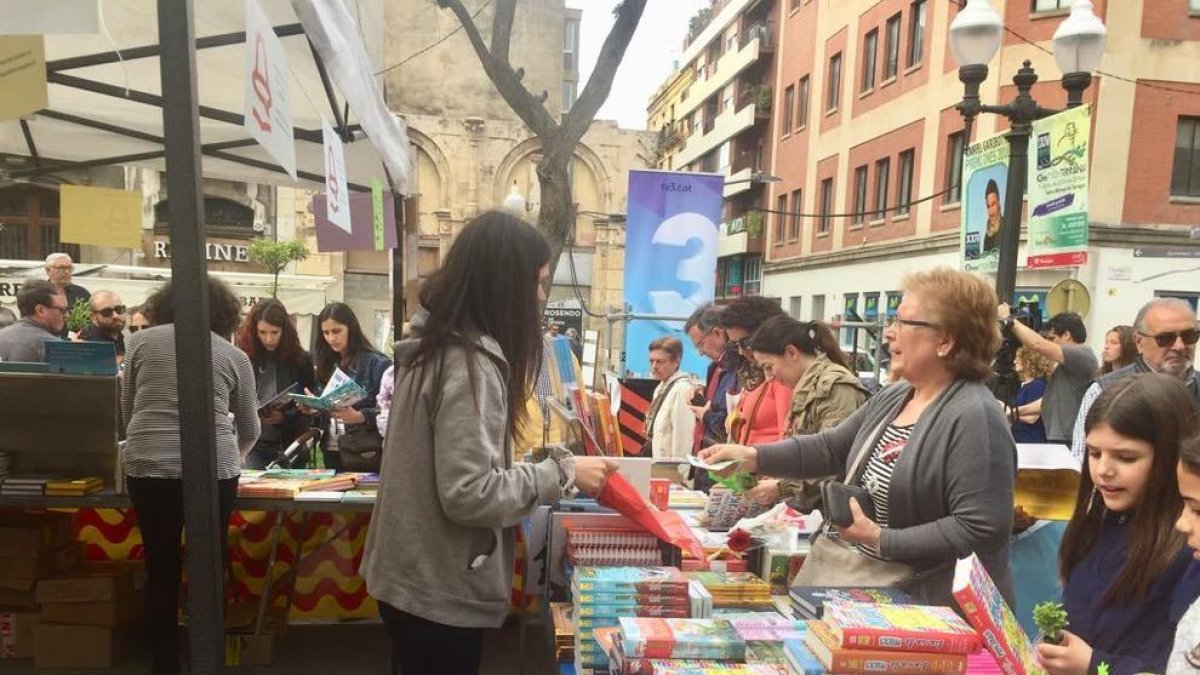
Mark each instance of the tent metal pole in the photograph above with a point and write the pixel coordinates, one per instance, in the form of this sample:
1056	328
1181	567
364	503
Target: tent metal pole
193	338
145	51
33	151
330	95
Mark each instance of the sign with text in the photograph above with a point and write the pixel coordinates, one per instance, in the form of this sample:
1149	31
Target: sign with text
267	109
670	259
337	203
984	181
101	216
22	76
1058	189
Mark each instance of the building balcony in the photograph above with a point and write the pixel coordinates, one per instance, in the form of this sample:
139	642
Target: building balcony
714	76
740	236
724	127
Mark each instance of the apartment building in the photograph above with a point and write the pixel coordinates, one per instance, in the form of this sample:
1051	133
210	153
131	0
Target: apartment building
869	146
714	115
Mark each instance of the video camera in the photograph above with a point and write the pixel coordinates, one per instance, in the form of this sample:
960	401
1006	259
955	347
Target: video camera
1006	383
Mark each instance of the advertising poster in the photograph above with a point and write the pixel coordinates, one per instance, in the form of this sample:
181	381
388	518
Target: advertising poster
363	218
670	259
893	303
337	193
267	110
1058	189
984	181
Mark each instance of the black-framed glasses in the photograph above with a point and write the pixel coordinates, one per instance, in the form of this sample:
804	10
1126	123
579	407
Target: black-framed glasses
1190	337
699	344
915	323
743	344
107	312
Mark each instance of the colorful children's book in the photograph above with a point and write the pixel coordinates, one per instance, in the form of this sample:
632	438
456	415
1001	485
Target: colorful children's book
340	392
681	639
836	658
632	599
985	608
908	628
800	660
622	579
811	599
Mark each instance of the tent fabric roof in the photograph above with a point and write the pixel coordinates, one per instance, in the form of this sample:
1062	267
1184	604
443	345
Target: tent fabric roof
88	104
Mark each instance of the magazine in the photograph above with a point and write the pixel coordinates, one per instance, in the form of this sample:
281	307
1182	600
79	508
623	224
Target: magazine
340	392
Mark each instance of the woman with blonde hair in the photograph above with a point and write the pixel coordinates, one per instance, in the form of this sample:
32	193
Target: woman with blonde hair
1026	411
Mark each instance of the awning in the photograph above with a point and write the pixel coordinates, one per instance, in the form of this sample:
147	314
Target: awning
106	109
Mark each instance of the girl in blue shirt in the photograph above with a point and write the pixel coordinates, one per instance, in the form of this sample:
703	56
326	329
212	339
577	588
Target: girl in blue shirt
1122	560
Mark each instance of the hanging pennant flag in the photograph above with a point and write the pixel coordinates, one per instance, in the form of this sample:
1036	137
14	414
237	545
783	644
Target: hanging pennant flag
101	216
267	110
22	76
337	194
377	212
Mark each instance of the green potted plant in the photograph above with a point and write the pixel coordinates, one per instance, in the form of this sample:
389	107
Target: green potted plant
78	316
1051	619
754	224
275	256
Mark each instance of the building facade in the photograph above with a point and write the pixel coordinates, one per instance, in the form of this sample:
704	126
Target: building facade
870	153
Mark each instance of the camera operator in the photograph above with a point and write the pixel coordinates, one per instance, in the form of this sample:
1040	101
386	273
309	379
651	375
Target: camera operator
1076	366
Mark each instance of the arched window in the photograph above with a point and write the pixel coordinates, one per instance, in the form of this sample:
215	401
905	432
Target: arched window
29	224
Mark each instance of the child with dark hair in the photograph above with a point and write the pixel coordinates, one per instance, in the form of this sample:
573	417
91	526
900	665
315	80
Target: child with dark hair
1185	656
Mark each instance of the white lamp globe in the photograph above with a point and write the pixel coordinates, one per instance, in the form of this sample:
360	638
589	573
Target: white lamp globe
1079	40
975	33
515	201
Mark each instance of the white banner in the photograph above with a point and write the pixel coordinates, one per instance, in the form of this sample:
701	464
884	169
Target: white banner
337	202
22	17
267	109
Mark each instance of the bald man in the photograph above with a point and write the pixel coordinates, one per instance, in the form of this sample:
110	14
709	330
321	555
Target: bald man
60	268
107	321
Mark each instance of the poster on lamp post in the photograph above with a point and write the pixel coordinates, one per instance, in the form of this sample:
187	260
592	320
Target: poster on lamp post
984	181
1058	189
670	260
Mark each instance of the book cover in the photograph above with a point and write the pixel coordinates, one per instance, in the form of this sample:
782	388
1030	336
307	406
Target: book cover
640	579
82	358
835	657
681	639
732	582
812	599
985	608
910	628
341	391
616	611
768	651
632	599
800	661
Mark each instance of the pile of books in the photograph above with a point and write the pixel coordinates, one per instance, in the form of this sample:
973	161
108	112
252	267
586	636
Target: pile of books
602	595
808	602
74	488
25	485
623	547
735	589
683	498
856	638
564	632
675	645
986	610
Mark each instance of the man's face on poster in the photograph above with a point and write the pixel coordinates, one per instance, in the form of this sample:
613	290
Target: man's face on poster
993	206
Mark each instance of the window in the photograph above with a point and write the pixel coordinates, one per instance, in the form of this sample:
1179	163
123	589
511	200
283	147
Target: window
1185	175
904	187
789	100
723	158
797	207
753	276
568	95
916	33
571	45
780	218
870	42
860	194
954	156
794	307
726	98
883	174
826	206
796	4
818	308
834	82
891	48
802	104
1055	5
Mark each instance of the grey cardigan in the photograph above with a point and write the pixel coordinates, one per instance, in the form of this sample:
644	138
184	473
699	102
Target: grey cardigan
441	544
952	488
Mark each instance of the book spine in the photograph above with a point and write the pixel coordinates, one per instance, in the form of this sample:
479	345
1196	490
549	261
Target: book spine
645	587
846	661
976	613
900	640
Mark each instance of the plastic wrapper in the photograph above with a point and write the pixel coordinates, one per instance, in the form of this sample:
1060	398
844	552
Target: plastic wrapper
620	496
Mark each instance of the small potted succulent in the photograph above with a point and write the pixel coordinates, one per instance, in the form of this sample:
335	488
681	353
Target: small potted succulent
1051	619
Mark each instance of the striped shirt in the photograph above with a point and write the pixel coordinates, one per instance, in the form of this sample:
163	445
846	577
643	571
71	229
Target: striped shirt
149	402
877	477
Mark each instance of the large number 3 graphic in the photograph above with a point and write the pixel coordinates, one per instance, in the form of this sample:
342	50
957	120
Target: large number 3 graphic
694	274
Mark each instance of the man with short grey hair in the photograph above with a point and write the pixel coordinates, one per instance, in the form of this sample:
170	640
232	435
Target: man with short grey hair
43	312
1165	334
59	270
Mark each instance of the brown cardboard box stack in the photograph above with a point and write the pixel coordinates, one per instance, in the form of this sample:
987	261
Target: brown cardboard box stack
88	618
33	546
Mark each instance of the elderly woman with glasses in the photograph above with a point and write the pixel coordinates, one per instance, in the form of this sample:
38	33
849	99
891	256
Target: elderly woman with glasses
938	461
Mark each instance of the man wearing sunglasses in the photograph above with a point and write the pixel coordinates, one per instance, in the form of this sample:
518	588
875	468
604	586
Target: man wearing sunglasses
107	321
1165	334
43	314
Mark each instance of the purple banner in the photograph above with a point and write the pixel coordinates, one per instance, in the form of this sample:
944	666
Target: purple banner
361	237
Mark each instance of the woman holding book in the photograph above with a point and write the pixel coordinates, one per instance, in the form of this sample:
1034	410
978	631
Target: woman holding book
344	346
1122	560
269	338
937	463
152	459
440	551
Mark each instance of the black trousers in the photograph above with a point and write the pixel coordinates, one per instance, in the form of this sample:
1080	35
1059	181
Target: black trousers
421	647
159	505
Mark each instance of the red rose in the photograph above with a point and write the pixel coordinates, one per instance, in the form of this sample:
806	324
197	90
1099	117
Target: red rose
739	540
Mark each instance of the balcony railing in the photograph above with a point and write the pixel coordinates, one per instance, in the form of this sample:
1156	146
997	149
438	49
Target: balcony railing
759	31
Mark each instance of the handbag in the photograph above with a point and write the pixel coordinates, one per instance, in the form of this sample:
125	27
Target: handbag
833	562
361	448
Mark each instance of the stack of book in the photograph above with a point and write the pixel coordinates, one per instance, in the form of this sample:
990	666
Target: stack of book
602	595
590	547
564	632
856	638
25	485
74	488
808	602
675	645
335	483
986	610
735	589
683	498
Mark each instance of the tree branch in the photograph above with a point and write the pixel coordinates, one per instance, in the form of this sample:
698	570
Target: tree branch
595	92
502	25
525	105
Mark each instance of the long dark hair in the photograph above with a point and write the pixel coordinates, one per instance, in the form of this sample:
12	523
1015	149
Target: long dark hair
273	312
487	286
810	337
1156	409
356	342
1128	349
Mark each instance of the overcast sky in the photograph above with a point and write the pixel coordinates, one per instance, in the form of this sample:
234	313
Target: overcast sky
656	45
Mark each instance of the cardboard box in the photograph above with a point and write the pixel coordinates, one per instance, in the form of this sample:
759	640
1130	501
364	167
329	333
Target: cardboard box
124	610
60	645
240	649
17	634
25	535
93	584
59	561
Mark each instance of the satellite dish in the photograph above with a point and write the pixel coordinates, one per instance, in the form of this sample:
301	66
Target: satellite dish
1069	295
